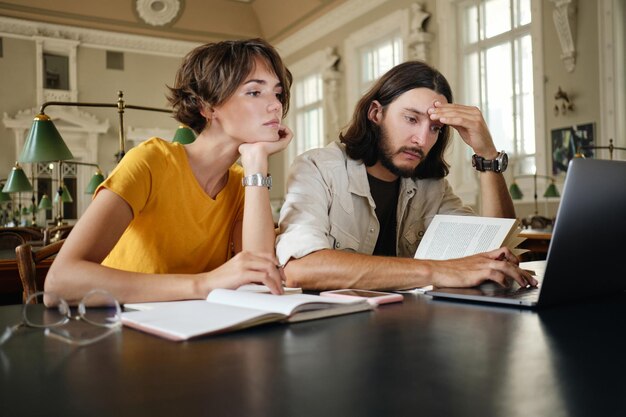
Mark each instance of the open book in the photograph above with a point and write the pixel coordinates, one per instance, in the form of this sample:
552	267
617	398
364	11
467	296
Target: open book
450	237
229	310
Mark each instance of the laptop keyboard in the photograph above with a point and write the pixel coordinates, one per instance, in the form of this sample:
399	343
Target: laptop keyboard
515	292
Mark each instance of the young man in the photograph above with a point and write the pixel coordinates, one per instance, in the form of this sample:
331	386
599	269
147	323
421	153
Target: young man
376	192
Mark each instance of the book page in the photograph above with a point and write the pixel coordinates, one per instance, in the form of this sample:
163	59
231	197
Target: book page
266	289
283	304
246	287
450	237
181	320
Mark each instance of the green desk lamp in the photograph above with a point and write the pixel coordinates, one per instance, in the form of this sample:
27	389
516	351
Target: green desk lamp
94	182
45	203
536	221
184	135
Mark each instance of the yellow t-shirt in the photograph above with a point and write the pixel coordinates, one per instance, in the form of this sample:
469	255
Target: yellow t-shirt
176	226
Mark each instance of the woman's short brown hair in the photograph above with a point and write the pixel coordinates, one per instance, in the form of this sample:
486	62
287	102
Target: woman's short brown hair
211	73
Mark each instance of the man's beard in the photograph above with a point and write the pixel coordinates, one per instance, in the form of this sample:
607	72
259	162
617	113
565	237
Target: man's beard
386	154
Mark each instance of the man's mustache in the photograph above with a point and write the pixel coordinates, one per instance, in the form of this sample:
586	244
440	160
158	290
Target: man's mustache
418	151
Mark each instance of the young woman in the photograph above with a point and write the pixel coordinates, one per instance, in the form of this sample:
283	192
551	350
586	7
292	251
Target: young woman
165	224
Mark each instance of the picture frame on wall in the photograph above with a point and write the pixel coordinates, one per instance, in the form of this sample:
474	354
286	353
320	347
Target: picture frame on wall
567	141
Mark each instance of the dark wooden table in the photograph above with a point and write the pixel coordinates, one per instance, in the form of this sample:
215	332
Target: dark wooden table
422	357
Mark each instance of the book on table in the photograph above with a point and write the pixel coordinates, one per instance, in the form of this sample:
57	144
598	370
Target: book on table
450	237
229	310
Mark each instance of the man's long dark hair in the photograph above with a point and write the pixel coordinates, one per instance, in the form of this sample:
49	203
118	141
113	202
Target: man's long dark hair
362	135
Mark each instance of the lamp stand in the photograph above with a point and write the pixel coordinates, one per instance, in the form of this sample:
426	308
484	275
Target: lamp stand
59	218
121	107
33	199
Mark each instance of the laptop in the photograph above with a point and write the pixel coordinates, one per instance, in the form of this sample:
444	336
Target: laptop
587	255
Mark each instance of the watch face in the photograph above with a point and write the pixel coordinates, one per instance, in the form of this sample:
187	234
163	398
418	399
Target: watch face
503	161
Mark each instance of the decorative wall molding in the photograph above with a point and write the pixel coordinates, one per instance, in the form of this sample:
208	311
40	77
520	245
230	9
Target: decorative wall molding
92	38
331	76
158	12
58	46
419	39
564	15
326	24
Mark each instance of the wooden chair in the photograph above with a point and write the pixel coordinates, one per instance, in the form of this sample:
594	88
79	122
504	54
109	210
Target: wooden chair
10	240
53	234
28	233
27	261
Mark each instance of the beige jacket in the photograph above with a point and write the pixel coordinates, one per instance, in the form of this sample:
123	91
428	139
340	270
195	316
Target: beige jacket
328	205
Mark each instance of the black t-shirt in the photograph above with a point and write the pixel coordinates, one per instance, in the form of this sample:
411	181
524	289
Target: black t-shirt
385	195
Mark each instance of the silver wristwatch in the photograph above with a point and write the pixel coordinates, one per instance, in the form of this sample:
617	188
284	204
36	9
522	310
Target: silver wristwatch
498	164
257	180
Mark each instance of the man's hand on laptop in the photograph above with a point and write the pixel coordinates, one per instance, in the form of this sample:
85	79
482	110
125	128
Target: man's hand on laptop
499	266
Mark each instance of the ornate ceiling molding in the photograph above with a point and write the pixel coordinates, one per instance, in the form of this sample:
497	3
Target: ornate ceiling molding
158	12
25	29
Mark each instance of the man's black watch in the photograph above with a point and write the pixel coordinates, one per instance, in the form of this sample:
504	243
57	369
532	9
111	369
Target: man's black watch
498	164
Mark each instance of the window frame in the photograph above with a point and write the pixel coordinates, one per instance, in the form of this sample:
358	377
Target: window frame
300	70
390	26
464	180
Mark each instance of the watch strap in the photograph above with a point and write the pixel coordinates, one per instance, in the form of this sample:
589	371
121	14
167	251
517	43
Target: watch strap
257	180
495	165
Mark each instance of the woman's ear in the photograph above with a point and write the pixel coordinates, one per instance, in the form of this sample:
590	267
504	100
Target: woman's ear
207	112
375	112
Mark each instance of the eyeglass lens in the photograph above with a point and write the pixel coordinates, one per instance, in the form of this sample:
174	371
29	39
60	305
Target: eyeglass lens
100	308
47	317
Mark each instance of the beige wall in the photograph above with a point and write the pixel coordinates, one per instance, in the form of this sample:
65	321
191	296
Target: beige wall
143	82
17	92
582	84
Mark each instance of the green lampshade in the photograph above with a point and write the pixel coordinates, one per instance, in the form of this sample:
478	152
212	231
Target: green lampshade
66	196
4	197
184	135
95	180
515	191
44	143
17	181
45	203
551	191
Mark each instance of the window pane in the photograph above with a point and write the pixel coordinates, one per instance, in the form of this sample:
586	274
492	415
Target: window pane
497	17
526	137
499	95
308	96
470	24
523	12
56	72
471	80
309	90
309	125
378	58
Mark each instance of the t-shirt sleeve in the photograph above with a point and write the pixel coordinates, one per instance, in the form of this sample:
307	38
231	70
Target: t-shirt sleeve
132	179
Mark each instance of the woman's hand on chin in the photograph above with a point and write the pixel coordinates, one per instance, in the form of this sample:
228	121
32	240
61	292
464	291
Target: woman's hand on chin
267	148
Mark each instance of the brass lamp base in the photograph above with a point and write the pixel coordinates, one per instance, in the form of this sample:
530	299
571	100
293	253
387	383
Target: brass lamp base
536	222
